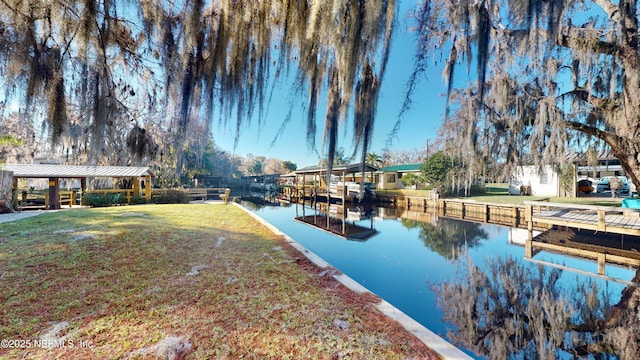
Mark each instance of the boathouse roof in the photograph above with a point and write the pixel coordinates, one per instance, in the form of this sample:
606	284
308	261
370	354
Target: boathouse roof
74	171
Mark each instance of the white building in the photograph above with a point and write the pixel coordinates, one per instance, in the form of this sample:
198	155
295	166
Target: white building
535	180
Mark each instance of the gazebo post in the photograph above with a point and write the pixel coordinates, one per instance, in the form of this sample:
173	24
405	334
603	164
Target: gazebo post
136	186
83	188
14	190
147	187
54	191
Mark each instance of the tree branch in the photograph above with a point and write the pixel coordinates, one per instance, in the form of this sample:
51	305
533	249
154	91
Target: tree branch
574	38
605	136
612	10
587	40
600	103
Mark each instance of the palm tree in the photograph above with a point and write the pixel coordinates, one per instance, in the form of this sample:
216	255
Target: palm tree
373	159
338	159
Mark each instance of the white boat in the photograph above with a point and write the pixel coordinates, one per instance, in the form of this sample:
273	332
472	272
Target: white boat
354	189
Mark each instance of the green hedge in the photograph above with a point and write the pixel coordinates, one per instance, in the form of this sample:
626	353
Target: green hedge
159	197
137	199
170	197
104	200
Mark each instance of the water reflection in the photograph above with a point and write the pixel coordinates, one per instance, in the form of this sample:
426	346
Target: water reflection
514	311
447	236
261	198
493	303
339	220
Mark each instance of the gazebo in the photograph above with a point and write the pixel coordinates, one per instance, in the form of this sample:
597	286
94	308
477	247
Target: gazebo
56	172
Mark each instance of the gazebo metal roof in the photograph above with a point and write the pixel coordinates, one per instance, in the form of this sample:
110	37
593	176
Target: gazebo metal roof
74	171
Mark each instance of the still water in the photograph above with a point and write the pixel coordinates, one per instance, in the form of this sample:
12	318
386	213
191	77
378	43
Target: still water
469	282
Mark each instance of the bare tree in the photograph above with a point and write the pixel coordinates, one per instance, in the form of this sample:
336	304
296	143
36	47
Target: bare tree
400	157
273	166
546	84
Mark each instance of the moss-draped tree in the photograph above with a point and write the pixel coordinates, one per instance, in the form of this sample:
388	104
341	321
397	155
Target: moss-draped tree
93	64
552	76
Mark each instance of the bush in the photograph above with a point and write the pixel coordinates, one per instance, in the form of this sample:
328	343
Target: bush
137	199
103	200
410	180
478	189
170	197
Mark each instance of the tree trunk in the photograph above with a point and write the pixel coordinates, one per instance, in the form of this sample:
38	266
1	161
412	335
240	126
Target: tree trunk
6	191
628	152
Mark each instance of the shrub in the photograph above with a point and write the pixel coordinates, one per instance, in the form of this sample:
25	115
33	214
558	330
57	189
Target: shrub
478	189
137	199
410	179
170	197
103	200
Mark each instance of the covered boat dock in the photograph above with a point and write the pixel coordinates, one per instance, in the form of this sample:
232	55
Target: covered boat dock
314	181
141	177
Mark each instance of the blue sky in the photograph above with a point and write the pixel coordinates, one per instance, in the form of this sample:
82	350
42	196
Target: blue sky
420	124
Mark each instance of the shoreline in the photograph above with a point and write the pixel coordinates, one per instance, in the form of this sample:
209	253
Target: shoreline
442	347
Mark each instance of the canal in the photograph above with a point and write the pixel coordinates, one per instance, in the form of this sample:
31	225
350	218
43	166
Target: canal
469	282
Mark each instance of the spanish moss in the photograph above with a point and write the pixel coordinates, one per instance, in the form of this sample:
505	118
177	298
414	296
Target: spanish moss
521	107
98	63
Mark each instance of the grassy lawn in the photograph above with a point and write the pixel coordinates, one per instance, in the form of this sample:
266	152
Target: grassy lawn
498	193
199	281
405	192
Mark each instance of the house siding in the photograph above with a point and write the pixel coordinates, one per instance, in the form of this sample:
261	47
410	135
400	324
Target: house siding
543	181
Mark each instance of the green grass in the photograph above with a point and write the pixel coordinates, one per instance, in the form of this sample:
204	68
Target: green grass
498	193
405	192
118	276
519	200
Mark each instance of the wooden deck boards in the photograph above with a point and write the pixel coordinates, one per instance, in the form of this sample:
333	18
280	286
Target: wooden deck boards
588	219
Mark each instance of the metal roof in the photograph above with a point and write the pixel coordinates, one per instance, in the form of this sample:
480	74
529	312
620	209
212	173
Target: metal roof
349	168
401	168
74	171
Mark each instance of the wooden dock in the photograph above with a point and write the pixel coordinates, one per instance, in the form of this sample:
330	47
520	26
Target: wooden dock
605	234
608	219
208	193
605	224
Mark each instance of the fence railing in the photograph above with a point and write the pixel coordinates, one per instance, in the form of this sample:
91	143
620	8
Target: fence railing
195	193
205	193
